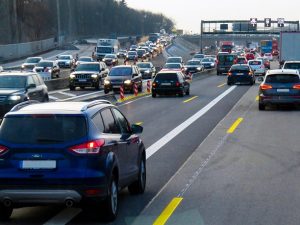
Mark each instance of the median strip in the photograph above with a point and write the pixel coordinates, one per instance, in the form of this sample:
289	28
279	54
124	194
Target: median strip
130	97
168	211
190	99
234	125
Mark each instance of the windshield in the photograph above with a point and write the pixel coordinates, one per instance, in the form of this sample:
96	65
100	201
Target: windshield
33	60
293	66
233	68
282	78
85	59
144	65
12	81
64	57
120	71
192	63
131	53
44	64
105	49
172	66
48	129
88	67
207	60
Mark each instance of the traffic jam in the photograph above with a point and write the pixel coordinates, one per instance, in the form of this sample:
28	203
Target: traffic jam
83	150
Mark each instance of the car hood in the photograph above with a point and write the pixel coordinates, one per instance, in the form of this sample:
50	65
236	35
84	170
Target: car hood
4	91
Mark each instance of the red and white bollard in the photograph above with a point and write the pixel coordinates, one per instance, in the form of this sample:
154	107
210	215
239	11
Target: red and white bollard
136	91
148	86
122	93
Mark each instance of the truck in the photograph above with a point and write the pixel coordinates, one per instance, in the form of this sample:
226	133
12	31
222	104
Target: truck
227	46
289	47
106	46
266	46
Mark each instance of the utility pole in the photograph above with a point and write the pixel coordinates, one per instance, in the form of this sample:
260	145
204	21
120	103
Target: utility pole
15	21
201	40
58	21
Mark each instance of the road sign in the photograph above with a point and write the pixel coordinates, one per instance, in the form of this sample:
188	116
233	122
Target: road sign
268	22
253	22
280	22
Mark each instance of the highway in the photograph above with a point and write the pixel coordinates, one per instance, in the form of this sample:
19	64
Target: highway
212	158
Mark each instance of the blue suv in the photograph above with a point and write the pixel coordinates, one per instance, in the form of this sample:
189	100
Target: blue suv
70	153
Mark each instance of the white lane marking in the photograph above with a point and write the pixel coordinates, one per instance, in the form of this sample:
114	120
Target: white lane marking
64	216
84	95
56	91
66	93
53	98
177	130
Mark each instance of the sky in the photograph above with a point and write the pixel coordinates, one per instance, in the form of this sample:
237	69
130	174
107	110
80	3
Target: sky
187	14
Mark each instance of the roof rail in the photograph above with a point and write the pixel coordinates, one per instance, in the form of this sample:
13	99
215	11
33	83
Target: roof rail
94	103
23	104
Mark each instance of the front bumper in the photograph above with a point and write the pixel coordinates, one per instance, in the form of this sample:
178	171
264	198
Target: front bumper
90	82
116	86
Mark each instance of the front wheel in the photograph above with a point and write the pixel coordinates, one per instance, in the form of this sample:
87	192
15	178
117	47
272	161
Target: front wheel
5	213
229	83
72	88
187	92
138	187
153	95
97	86
106	91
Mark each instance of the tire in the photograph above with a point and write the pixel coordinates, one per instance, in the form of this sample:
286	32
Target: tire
5	213
106	91
141	88
218	73
46	98
72	88
97	86
112	201
187	92
229	83
153	95
138	187
82	88
261	106
58	75
181	94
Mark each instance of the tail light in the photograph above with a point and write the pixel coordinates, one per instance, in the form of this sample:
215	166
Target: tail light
265	87
154	84
3	150
91	147
296	86
229	74
178	84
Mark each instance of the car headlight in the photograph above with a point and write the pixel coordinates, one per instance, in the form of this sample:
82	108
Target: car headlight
147	71
212	64
127	82
185	68
72	76
14	98
94	75
23	66
50	71
68	63
106	82
198	68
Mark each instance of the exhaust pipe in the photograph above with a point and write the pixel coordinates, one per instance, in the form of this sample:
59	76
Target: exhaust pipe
7	202
69	203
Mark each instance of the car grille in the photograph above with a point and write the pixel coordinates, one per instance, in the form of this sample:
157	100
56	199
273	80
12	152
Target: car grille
83	76
2	98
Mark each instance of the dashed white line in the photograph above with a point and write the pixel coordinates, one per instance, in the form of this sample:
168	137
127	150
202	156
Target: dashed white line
66	93
64	216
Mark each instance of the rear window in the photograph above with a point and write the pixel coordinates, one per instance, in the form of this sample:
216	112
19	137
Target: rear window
255	63
42	129
166	77
293	66
282	78
226	58
243	68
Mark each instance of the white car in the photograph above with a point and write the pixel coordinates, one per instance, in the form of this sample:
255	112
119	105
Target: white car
30	63
65	61
1	69
257	66
292	65
269	56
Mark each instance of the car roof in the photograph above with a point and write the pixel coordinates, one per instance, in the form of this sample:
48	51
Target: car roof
16	73
292	62
168	71
282	71
65	55
56	108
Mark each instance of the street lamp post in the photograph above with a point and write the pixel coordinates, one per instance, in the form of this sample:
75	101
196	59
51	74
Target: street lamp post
58	21
201	40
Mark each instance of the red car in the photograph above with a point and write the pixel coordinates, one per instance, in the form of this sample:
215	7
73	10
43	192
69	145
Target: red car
250	56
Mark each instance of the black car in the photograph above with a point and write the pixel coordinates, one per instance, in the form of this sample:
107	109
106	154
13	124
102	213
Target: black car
279	87
88	75
147	69
224	62
170	82
17	87
47	67
69	153
240	73
132	56
125	76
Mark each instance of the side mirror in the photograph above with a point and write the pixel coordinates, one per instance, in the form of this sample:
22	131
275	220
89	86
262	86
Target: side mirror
136	129
30	86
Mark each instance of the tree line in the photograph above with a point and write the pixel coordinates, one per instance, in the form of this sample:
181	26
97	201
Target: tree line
30	20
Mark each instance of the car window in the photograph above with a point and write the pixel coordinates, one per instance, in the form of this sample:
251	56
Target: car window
282	78
36	80
293	66
166	77
110	125
97	120
30	80
123	123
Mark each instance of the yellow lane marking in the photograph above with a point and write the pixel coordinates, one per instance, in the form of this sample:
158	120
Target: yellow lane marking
190	99
130	97
221	85
234	125
139	123
165	215
257	98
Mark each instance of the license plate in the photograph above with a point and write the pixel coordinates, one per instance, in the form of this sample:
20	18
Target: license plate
283	90
82	80
117	86
239	74
166	84
38	164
